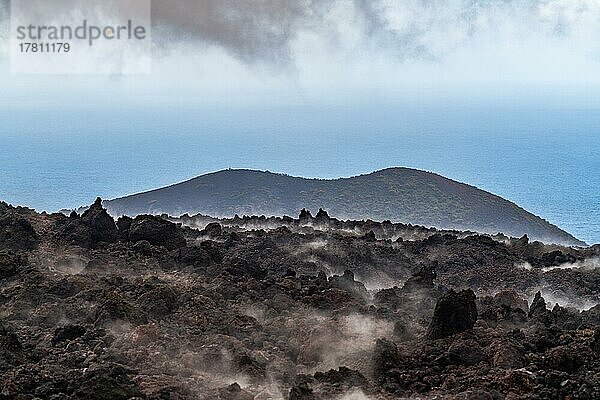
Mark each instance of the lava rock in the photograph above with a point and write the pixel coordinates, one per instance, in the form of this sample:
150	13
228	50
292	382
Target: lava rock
466	352
347	283
388	298
16	233
596	341
302	392
385	359
342	376
10	263
556	257
322	215
538	310
106	382
422	279
566	358
511	299
145	322
213	229
455	312
67	333
123	224
507	307
369	237
234	392
159	302
116	308
305	215
156	231
9	342
94	227
538	305
508	354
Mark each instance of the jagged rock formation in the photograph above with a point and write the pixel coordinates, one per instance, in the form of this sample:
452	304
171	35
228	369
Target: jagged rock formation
347	283
156	231
90	229
423	279
16	233
455	312
398	194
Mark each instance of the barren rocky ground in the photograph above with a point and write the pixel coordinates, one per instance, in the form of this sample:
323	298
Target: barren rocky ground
289	308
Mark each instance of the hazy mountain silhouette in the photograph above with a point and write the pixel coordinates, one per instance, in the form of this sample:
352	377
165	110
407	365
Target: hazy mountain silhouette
396	194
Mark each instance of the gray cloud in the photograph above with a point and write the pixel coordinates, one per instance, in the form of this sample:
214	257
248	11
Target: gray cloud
251	30
4	17
263	31
4	33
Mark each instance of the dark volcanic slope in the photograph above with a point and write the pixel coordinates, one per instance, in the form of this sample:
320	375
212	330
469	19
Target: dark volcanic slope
399	194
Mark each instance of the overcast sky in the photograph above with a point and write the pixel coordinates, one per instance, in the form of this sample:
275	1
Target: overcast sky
268	50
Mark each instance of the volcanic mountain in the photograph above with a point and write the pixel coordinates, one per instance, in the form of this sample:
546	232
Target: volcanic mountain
398	194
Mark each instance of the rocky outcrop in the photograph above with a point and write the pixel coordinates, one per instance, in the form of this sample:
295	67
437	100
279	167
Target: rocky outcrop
538	309
16	232
11	349
455	312
507	307
347	283
10	263
234	392
305	215
423	279
123	224
370	237
106	382
213	229
386	358
330	384
92	229
67	333
322	215
156	231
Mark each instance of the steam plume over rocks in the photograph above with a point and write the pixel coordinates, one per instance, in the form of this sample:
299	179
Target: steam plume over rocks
256	307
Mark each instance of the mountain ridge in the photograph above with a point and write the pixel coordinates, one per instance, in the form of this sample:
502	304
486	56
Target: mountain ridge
398	194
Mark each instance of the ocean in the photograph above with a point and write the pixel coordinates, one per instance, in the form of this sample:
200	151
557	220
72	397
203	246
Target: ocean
547	160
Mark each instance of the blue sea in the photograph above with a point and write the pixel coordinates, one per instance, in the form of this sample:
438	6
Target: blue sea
546	159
